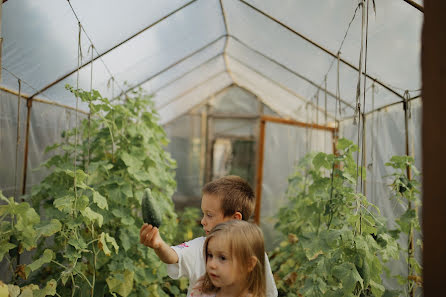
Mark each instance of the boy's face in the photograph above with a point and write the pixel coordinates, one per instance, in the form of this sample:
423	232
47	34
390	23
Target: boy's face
212	212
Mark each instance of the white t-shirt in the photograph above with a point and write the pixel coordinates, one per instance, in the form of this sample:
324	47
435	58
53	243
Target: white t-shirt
191	264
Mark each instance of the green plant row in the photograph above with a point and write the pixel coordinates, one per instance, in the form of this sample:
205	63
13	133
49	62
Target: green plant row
85	217
337	241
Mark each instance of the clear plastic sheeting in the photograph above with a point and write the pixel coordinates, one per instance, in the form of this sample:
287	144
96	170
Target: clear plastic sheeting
10	173
278	99
187	82
389	30
162	43
291	143
185	147
169	75
194	97
235	100
46	125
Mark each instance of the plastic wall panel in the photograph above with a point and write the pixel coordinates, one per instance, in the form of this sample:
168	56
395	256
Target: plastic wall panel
47	124
189	81
194	98
285	145
185	147
10	176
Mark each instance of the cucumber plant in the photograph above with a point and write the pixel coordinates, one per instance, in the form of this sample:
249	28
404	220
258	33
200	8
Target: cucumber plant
336	239
405	188
119	153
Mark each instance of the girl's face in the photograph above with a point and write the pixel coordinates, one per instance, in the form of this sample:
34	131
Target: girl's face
221	267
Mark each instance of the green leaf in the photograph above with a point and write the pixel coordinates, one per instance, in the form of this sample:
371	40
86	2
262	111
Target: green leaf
82	202
121	284
320	160
92	216
4	248
343	143
49	229
102	244
45	258
100	200
347	274
65	203
131	161
50	289
377	289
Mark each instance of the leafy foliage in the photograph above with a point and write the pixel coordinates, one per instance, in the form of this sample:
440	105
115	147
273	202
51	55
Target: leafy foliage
94	193
406	191
337	240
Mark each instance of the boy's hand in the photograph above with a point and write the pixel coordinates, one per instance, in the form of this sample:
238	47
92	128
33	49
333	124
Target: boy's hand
149	236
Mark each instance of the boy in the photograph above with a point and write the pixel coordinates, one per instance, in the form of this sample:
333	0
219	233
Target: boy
224	199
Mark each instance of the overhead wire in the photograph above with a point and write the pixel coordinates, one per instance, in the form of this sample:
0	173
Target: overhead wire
91	42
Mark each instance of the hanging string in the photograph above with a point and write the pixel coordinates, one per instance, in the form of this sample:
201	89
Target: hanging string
358	94
79	61
18	138
373	136
89	109
338	84
317	107
307	133
335	134
112	82
363	102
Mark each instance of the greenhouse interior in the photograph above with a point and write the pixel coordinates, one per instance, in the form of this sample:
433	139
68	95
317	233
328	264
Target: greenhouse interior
330	110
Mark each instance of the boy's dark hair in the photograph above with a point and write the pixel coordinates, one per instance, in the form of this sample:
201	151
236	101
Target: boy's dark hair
235	195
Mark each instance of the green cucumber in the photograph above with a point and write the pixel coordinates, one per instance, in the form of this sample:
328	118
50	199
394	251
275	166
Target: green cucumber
151	213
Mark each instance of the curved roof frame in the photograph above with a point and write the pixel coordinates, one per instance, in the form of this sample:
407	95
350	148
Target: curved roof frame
227	35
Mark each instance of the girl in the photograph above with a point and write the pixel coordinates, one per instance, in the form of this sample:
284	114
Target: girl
235	258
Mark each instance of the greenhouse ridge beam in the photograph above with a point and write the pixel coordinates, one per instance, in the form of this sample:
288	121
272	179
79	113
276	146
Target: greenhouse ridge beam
226	41
175	63
281	86
321	48
111	49
293	72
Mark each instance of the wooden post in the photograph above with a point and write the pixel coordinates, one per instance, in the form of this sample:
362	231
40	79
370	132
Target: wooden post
411	249
1	39
29	104
259	174
203	143
433	69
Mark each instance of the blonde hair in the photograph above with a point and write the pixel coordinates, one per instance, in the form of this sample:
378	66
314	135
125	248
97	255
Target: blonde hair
245	240
235	195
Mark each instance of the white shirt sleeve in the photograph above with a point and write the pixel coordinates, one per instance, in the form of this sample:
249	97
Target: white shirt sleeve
271	290
190	261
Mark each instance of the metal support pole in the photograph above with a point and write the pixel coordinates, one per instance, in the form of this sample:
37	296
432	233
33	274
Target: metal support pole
29	104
